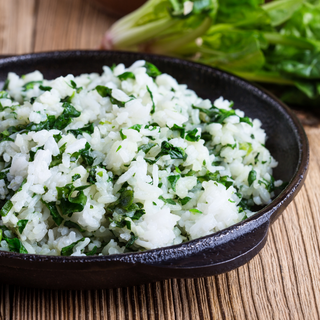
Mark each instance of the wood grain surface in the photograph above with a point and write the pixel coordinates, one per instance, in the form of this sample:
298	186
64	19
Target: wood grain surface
281	282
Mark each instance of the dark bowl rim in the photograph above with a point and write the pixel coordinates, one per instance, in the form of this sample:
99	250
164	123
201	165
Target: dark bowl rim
268	213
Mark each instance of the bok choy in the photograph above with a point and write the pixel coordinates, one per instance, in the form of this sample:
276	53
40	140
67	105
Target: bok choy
277	42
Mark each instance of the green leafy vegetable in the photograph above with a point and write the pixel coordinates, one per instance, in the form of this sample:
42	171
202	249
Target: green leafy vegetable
184	200
107	92
192	135
15	245
169	201
30	85
45	88
195	211
132	240
54	212
173	181
6	208
152	71
68	203
21	225
153	108
275	42
126	75
252	176
87	129
146	147
68	250
71	224
92	252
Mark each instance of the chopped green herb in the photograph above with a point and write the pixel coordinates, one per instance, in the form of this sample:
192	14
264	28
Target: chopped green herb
68	250
107	92
173	181
54	212
252	176
126	75
68	204
192	135
6	208
146	147
184	201
43	88
76	177
15	245
136	127
152	70
153	108
92	252
71	224
182	130
169	201
30	85
122	135
21	225
56	160
132	240
195	211
87	129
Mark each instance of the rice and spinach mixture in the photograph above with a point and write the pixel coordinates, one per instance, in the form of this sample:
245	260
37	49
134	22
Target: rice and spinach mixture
125	161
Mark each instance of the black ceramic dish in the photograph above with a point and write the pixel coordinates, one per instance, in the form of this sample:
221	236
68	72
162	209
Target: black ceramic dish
210	255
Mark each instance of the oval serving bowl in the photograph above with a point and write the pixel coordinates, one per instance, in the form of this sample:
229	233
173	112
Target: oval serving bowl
209	255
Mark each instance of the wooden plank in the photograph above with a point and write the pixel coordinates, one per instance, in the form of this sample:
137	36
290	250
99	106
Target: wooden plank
69	24
16	26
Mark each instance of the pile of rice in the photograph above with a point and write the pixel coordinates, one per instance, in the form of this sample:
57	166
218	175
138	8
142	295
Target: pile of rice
126	161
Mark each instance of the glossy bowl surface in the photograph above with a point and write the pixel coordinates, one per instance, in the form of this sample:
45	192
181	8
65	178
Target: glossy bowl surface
209	255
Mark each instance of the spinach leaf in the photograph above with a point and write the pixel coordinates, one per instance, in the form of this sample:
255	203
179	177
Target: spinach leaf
6	208
76	177
136	127
153	108
92	252
71	224
173	181
65	118
30	85
174	152
56	160
252	176
74	86
184	201
123	136
68	250
192	135
169	201
44	88
126	75
132	240
87	129
151	70
22	224
69	204
15	245
107	92
182	130
53	212
146	147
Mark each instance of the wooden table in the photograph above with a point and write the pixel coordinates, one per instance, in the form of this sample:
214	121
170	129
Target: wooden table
281	282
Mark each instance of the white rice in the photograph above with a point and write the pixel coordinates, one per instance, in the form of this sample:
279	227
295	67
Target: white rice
158	170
